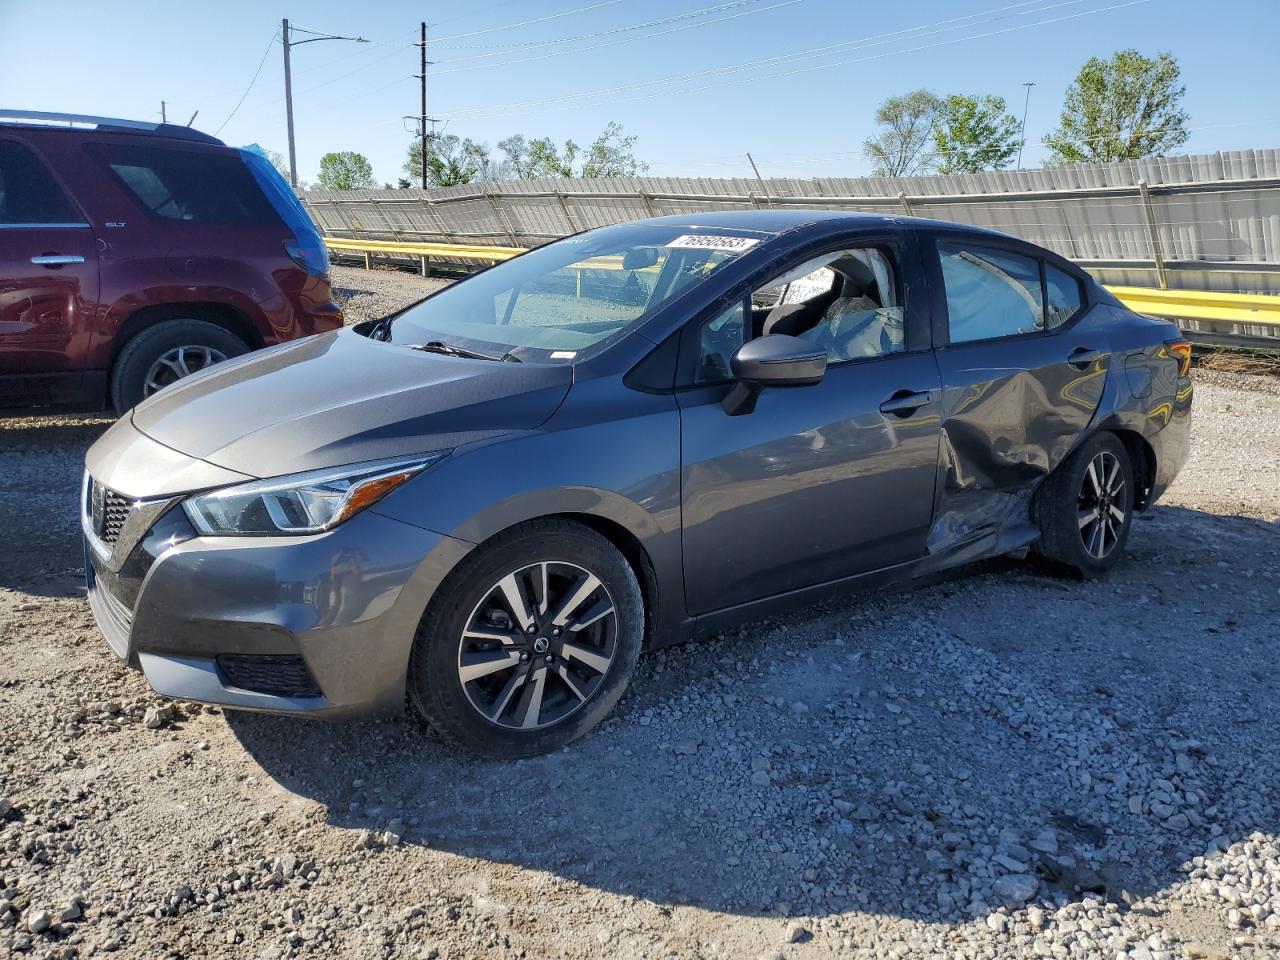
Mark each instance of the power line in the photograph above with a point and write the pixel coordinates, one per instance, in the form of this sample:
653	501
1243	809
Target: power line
525	23
271	43
614	43
498	110
774	6
874	40
476	13
499	48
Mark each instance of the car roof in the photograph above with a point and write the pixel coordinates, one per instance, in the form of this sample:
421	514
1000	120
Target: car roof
86	126
775	221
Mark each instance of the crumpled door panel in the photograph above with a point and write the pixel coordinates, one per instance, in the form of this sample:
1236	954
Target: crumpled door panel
1012	411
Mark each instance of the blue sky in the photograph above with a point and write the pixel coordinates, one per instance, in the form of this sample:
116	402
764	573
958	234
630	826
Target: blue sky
796	82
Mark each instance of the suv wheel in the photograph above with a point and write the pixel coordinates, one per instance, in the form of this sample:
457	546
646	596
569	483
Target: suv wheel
530	643
164	354
1085	507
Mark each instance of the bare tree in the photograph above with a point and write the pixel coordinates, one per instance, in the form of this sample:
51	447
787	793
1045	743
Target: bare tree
905	146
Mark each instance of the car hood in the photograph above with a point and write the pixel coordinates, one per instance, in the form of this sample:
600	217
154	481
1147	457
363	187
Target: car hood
342	398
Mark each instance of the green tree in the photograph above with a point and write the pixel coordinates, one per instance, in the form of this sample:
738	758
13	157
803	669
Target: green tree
1121	109
548	160
974	133
451	160
612	155
345	170
516	149
903	147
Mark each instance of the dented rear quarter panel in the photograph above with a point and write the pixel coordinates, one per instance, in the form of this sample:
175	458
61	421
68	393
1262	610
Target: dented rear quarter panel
1014	409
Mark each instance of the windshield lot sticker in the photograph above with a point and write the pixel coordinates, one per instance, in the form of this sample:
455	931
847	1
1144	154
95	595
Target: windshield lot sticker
695	242
563	354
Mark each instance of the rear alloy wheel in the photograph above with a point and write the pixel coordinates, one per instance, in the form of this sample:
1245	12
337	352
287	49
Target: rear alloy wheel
165	353
524	649
182	361
1085	508
1100	505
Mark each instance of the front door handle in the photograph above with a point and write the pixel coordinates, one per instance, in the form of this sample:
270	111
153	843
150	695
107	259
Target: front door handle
906	402
55	260
1082	358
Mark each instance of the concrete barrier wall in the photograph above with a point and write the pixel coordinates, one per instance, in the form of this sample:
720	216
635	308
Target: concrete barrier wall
1207	222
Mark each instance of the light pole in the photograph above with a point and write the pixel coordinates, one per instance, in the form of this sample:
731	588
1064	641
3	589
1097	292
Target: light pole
1022	137
288	83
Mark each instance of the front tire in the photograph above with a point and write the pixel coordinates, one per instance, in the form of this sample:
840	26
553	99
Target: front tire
164	354
1085	507
530	643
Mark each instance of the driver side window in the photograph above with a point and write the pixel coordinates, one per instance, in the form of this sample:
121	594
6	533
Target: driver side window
844	301
720	339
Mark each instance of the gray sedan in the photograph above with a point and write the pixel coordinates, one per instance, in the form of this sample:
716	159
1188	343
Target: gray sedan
492	501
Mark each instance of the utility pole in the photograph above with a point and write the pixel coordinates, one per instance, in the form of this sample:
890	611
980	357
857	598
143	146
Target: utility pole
288	103
1022	137
163	118
422	119
288	83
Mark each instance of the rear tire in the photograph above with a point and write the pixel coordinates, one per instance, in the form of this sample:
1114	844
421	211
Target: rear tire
159	354
1085	508
529	643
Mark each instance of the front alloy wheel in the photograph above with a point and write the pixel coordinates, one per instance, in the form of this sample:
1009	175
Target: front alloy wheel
538	646
523	649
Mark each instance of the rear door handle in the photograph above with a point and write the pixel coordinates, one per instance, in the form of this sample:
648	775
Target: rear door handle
906	402
55	260
1082	358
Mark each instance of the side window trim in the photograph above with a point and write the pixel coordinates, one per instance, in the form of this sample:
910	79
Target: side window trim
60	225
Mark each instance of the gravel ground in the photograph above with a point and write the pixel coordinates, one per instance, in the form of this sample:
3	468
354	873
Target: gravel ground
999	764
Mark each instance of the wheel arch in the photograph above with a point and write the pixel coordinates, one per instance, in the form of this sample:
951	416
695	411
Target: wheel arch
1142	458
634	552
219	314
626	542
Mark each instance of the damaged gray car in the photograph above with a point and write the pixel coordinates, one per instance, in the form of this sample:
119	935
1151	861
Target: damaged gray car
487	505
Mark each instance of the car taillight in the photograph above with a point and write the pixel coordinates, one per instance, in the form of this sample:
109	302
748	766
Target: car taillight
307	248
311	256
1180	350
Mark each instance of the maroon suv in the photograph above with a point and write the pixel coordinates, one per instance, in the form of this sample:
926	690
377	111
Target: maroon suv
132	254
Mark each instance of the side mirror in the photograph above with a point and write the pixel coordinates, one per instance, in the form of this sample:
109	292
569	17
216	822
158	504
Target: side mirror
637	258
773	361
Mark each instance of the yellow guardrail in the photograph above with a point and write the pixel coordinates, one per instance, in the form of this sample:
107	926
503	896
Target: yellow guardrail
1199	305
1202	305
406	248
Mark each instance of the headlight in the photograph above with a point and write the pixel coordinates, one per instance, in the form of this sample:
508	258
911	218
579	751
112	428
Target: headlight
304	502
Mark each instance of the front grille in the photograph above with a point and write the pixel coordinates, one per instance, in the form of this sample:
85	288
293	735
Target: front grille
281	676
108	511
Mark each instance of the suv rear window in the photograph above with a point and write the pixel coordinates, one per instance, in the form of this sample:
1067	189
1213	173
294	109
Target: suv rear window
187	185
28	194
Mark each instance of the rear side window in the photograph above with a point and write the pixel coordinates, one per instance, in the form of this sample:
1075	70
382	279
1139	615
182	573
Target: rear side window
187	185
28	193
1062	294
990	293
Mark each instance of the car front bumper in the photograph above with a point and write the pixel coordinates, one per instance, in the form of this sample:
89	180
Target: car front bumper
318	625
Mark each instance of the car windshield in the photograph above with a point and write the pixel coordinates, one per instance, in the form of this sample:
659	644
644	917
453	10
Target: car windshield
570	296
